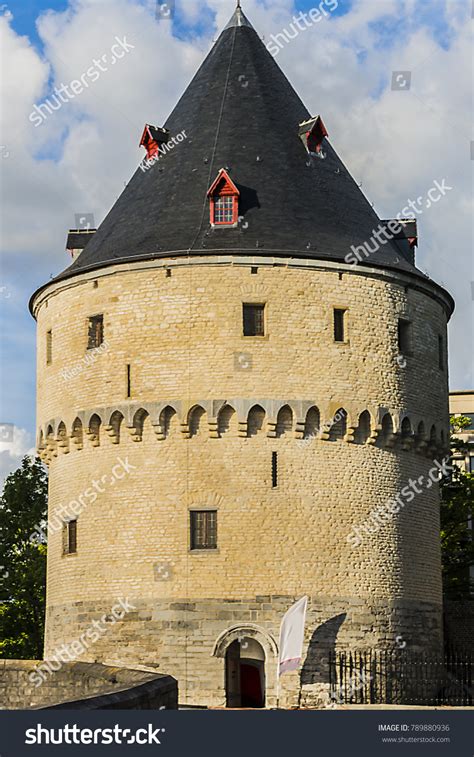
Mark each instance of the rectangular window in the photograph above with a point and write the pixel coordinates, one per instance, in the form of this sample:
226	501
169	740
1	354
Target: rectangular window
70	537
129	380
224	210
254	319
404	336
339	325
96	331
203	529
440	352
49	347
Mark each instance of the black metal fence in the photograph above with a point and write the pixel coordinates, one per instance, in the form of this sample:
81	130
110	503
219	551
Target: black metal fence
401	677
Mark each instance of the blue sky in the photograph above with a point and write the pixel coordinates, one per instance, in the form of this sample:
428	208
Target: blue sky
343	70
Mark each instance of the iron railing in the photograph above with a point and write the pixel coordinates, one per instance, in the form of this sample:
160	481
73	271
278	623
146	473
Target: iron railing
401	677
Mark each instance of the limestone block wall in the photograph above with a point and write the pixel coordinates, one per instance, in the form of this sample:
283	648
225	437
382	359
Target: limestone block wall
199	432
180	334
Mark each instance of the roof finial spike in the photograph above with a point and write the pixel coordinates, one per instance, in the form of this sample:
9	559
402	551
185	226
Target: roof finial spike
239	18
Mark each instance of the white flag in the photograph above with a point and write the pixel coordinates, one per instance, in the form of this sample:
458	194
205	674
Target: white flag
292	636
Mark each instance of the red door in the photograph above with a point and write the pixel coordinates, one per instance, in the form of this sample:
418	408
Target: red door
251	684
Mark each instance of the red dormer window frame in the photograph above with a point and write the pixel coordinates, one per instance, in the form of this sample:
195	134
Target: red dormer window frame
224	201
151	145
313	133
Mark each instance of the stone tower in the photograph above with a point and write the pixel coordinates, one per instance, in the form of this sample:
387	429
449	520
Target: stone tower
229	387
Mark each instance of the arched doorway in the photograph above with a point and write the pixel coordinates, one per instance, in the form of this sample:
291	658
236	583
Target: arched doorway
245	674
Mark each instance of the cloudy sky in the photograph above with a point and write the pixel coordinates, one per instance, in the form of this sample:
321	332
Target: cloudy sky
396	141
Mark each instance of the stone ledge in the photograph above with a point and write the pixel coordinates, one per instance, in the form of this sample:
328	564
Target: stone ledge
85	686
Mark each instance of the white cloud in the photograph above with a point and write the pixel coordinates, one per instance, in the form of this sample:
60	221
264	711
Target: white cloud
14	450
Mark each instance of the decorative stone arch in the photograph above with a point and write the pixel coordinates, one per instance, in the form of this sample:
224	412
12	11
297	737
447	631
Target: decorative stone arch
167	418
138	421
93	415
40	443
227	420
92	431
62	438
363	430
114	426
256	420
197	421
77	432
312	423
51	443
225	648
387	431
421	440
406	433
433	444
338	425
284	421
253	631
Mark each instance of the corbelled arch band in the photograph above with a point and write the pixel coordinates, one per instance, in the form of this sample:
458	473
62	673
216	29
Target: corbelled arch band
303	420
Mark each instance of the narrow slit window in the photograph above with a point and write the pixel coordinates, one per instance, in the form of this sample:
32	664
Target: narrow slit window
339	325
129	380
203	529
404	337
70	534
96	332
49	347
274	470
254	319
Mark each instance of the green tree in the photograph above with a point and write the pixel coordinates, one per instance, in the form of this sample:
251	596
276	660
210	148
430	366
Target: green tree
23	506
457	514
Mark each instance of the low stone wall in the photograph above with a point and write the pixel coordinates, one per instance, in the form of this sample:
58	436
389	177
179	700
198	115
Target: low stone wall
84	686
459	624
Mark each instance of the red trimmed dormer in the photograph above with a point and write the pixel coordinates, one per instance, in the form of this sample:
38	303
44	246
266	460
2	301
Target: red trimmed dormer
152	139
224	201
313	133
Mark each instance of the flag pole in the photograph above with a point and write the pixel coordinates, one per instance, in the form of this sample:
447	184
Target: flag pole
278	683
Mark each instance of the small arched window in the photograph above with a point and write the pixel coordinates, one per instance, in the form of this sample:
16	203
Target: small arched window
224	201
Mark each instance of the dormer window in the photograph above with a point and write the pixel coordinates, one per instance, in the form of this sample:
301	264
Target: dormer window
312	133
224	201
152	139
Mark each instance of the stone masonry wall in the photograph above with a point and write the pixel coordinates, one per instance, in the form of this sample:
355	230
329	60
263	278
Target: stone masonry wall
181	334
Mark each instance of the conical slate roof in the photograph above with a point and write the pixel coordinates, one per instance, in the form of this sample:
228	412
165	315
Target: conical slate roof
239	113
